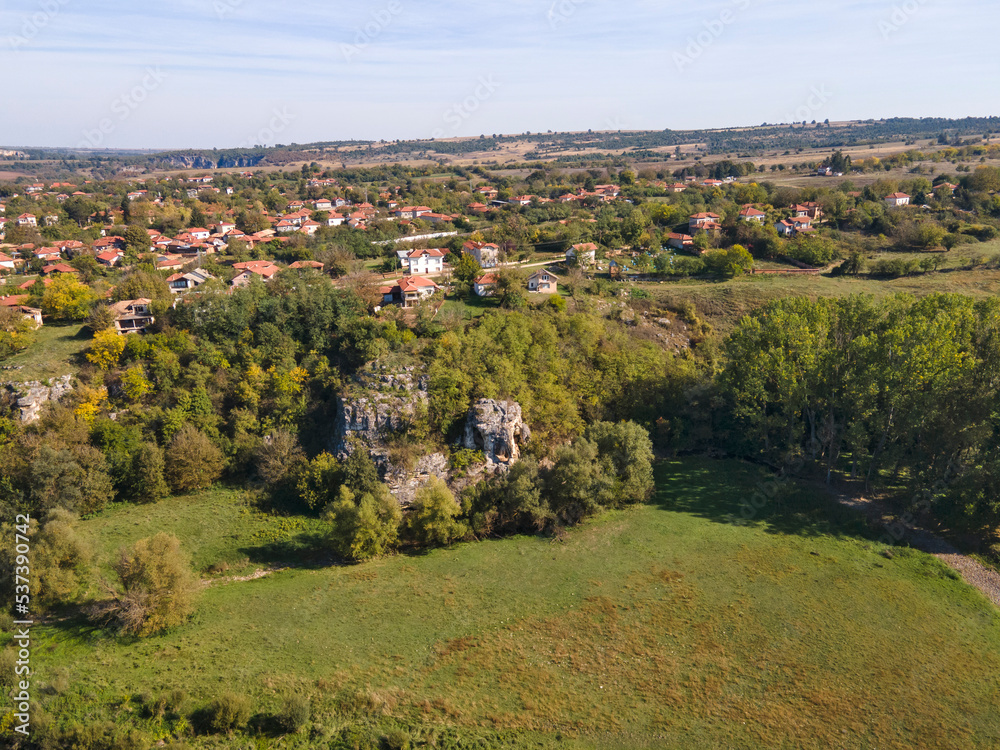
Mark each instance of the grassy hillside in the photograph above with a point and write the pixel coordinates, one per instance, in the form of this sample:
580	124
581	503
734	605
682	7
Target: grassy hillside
664	626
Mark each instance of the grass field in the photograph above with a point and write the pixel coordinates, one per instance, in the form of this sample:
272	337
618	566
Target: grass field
57	350
665	626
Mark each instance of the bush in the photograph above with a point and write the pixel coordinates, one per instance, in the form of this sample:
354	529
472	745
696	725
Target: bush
397	739
156	588
228	712
8	663
193	461
432	521
364	527
294	714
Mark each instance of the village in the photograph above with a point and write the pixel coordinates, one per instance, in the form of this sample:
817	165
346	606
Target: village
279	225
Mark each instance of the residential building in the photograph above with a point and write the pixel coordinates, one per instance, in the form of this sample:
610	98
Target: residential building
897	199
487	255
543	282
421	262
409	291
132	315
485	285
584	254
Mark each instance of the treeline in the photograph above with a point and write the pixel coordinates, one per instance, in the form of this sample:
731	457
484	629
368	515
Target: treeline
899	393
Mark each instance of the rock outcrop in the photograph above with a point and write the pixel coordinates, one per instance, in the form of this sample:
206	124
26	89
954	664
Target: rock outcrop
381	402
33	395
498	430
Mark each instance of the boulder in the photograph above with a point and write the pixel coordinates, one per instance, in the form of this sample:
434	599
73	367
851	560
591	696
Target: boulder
33	395
498	430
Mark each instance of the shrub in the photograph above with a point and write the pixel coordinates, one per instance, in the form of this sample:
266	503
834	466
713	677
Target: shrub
156	587
432	521
294	714
8	662
365	527
228	712
193	461
397	739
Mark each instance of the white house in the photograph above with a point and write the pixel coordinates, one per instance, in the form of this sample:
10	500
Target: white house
485	285
423	262
27	220
543	282
749	213
486	254
897	199
585	254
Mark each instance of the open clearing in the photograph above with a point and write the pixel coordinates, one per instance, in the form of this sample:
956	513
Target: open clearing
663	626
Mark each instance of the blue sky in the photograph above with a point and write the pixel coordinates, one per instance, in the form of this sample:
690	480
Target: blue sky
222	73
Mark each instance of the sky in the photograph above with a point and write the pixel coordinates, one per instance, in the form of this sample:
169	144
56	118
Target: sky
229	73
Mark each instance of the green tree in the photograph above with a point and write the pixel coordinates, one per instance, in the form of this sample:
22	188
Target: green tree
467	269
365	526
630	451
318	482
61	561
734	261
193	461
145	481
137	241
432	519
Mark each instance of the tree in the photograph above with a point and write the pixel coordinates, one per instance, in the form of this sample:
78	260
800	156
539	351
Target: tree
579	484
142	285
16	332
75	480
279	455
101	318
467	269
511	289
144	481
135	384
106	349
734	261
318	481
628	447
365	526
61	560
67	298
156	589
137	240
432	519
193	461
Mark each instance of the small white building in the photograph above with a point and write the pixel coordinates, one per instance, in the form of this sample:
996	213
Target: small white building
584	254
897	199
423	262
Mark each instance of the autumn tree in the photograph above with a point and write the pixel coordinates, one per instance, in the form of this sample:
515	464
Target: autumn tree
67	298
193	461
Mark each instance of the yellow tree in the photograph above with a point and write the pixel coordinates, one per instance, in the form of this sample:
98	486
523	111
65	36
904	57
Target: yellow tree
68	298
107	349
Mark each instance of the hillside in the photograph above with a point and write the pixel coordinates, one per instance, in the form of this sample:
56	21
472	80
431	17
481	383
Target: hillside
663	626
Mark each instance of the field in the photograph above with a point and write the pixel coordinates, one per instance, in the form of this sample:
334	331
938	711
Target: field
663	626
56	351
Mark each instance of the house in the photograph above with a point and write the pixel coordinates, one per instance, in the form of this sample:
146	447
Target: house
6	262
800	211
712	183
132	315
584	254
677	187
58	268
897	199
110	258
27	220
423	262
310	227
815	212
680	241
411	212
485	285
51	220
171	263
794	226
263	268
48	254
487	191
749	213
323	205
543	282
521	200
478	208
705	221
183	282
435	218
16	301
487	255
307	264
224	227
409	291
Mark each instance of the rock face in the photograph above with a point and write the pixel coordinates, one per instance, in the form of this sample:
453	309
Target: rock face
31	396
381	402
498	430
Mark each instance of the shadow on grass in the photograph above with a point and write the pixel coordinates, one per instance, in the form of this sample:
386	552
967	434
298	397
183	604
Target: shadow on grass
733	492
309	550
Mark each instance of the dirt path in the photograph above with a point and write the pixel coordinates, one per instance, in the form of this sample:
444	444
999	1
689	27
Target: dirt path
974	572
